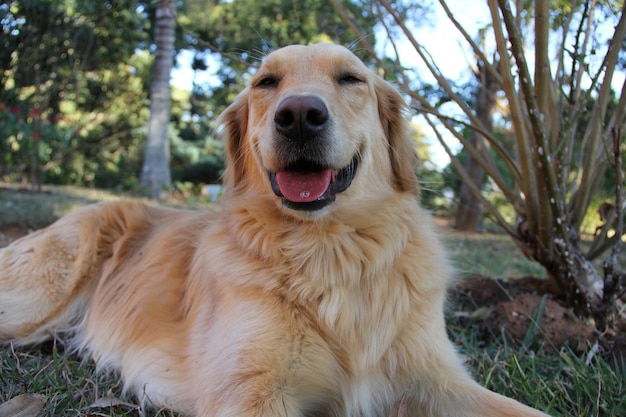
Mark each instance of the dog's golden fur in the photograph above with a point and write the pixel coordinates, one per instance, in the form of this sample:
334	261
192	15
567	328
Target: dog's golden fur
265	308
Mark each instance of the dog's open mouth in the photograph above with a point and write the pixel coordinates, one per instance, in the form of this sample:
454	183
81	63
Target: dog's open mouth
307	186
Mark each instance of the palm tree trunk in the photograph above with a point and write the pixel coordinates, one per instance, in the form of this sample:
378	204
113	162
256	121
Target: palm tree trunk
156	176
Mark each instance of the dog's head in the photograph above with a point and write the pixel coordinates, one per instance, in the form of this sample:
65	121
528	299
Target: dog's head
316	129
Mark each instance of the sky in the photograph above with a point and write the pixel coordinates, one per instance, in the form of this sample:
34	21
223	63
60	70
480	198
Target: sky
447	48
443	41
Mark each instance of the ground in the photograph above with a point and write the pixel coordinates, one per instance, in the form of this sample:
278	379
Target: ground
530	314
11	233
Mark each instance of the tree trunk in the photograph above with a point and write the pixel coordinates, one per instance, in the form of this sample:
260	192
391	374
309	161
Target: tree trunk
156	176
468	217
578	281
469	210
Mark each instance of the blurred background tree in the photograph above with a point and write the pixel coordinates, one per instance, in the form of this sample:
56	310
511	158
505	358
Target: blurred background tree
72	90
156	178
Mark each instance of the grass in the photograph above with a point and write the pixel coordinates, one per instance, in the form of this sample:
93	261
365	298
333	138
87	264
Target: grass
562	383
19	207
71	386
492	255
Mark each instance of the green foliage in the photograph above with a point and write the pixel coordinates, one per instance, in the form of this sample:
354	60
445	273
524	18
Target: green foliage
252	29
31	139
48	43
196	160
246	30
72	95
452	179
433	190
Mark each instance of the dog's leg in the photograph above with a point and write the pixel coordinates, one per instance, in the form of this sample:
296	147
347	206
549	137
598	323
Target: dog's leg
464	397
47	277
485	403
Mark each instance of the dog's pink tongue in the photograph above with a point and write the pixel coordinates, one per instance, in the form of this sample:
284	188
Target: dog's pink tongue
303	187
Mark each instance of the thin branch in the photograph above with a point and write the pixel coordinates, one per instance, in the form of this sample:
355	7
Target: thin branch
592	155
527	181
549	119
564	143
613	277
477	51
432	68
560	67
542	61
542	152
403	79
468	181
579	94
588	13
425	107
362	38
445	85
564	150
619	191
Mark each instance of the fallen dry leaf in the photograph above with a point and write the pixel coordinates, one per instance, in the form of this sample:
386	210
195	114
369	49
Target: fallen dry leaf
25	405
105	402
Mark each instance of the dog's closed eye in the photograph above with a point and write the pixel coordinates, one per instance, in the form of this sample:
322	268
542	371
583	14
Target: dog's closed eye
350	78
266	81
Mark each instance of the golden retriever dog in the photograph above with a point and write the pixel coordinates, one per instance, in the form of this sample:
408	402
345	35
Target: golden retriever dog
317	289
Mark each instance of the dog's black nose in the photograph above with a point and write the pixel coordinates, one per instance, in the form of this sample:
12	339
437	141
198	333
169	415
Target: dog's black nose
301	117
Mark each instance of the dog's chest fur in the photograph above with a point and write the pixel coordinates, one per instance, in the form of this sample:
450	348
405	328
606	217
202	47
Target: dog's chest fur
349	283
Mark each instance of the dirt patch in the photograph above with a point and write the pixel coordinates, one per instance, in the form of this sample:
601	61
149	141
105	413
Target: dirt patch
529	313
11	233
530	317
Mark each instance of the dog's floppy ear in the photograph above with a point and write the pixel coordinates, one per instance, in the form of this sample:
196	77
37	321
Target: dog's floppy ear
234	125
391	109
